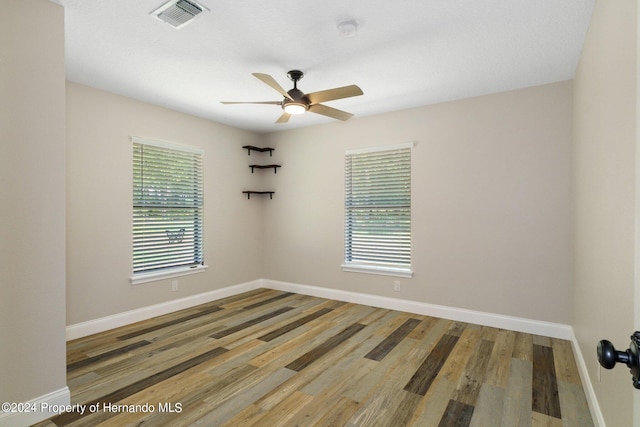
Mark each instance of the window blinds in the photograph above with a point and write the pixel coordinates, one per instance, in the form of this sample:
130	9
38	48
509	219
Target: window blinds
167	206
378	208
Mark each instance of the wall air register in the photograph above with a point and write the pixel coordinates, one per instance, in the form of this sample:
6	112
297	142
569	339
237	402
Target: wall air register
178	13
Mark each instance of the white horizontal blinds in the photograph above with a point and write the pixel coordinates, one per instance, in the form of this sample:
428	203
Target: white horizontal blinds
167	207
378	208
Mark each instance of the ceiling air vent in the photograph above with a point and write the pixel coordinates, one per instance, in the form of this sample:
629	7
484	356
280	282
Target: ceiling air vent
178	13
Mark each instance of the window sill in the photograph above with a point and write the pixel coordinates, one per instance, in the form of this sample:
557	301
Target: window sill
177	272
376	269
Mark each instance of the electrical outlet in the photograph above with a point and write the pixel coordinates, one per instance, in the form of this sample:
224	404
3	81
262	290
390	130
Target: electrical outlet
396	285
174	286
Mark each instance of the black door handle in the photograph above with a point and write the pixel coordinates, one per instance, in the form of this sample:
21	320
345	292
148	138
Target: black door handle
608	356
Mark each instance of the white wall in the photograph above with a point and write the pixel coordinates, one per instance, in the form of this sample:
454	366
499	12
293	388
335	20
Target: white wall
605	173
99	197
32	211
491	194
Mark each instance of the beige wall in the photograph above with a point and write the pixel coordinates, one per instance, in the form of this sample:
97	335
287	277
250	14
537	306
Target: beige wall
492	201
99	194
605	170
491	196
32	192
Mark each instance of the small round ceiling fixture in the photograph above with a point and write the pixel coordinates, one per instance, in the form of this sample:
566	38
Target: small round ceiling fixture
348	28
294	107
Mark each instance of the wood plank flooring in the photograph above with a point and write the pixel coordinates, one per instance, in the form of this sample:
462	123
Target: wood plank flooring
270	358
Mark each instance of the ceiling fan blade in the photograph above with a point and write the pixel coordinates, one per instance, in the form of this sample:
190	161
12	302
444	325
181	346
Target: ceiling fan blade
248	102
330	112
331	94
284	118
266	78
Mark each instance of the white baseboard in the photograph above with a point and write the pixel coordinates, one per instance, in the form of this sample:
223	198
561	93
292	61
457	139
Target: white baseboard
36	410
592	400
548	329
554	330
102	324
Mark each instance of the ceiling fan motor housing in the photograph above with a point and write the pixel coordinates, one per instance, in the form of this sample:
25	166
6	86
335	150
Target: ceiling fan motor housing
298	105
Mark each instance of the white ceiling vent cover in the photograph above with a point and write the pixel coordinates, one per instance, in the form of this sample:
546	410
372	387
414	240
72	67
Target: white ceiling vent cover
178	13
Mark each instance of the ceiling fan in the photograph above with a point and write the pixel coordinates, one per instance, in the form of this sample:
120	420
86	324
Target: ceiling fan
297	102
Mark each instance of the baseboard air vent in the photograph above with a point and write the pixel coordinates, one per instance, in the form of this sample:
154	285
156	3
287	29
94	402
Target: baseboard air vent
178	13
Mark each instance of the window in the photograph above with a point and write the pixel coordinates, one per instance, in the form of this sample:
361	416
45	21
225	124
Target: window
378	210
167	210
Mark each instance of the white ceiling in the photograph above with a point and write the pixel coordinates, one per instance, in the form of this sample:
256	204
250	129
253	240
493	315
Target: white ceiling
406	53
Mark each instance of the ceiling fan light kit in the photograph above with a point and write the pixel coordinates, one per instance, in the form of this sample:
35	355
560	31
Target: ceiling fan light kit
293	107
297	102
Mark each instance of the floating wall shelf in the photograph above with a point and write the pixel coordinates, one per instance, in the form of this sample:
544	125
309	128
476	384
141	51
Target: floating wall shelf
275	167
249	193
250	148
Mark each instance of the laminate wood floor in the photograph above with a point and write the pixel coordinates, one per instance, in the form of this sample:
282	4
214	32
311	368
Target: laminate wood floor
270	358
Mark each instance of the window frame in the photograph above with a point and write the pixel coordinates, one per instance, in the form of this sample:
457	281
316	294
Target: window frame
387	269
176	271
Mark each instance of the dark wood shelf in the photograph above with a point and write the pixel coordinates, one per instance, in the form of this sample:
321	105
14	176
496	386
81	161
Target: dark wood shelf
275	167
251	148
249	193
